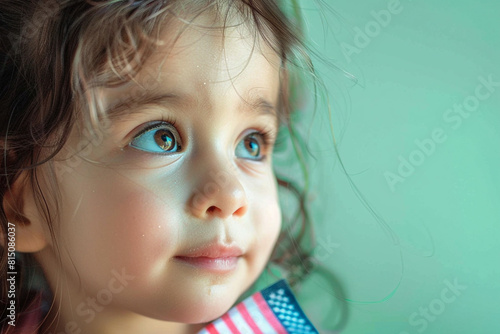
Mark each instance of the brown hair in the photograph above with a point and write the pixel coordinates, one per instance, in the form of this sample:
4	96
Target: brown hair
53	51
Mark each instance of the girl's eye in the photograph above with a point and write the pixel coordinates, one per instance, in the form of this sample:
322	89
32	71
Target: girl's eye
251	146
158	138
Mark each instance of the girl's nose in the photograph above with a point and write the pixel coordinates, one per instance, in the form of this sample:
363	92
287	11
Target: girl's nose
219	193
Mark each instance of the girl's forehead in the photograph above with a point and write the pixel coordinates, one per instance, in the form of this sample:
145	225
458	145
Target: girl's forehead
199	59
215	39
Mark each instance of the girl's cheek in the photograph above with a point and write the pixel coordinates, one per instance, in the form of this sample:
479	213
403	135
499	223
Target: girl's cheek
267	221
271	224
120	225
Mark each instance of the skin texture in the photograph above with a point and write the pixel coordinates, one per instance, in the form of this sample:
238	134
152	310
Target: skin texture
127	211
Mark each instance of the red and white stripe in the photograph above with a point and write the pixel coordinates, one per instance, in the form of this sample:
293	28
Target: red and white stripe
252	316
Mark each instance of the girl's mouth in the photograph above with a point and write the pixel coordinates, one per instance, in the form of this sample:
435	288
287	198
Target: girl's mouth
220	264
214	257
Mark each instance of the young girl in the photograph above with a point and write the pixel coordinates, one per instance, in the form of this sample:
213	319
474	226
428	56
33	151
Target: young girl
136	166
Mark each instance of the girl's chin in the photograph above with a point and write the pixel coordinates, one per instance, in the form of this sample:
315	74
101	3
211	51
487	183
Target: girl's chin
201	312
200	316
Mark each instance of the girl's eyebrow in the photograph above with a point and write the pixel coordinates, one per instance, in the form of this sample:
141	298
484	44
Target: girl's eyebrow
132	105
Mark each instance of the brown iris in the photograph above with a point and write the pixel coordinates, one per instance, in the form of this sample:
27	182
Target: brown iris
252	145
164	139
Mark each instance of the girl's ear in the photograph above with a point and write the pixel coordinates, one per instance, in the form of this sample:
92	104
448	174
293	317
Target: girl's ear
21	211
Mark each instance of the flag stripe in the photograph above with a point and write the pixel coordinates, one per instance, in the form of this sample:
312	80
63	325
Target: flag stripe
268	313
258	317
221	327
211	329
248	319
239	322
230	324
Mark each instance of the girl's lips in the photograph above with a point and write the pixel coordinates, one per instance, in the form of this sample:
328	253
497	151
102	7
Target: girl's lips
220	264
214	257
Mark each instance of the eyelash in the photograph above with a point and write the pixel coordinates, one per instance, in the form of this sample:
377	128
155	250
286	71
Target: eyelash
170	120
269	136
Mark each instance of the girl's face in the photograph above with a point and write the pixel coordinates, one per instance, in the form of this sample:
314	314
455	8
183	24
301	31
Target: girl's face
173	221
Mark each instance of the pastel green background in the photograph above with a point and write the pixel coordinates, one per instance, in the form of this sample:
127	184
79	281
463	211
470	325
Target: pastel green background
446	213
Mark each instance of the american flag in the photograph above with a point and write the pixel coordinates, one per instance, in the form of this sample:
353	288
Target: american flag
273	310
